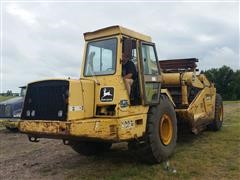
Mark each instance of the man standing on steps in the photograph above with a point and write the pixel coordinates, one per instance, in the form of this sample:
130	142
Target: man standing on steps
129	72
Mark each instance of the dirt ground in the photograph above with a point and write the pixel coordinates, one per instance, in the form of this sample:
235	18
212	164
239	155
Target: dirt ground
21	159
50	159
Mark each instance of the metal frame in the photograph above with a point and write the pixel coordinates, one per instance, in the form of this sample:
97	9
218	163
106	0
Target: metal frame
85	57
143	76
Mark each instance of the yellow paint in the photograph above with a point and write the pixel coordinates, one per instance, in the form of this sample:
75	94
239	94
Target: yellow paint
118	129
167	93
166	129
184	94
81	99
204	79
10	123
115	30
192	80
128	122
171	79
201	109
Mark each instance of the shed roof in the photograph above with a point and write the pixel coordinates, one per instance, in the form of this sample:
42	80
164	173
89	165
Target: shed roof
115	30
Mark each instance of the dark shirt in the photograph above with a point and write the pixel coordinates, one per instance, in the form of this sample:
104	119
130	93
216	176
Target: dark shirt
128	68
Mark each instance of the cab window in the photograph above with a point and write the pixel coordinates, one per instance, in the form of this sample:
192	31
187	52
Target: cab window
101	57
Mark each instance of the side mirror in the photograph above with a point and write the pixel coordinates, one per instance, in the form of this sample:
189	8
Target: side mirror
127	47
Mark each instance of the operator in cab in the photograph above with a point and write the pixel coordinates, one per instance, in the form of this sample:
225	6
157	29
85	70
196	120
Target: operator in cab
129	72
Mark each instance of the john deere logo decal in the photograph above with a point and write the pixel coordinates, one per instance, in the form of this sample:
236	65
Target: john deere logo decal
106	94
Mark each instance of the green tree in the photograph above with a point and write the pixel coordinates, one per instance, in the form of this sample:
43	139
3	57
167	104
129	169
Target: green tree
226	81
9	93
234	87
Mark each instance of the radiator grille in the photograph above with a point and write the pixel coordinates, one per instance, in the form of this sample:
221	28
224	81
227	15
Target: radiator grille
46	100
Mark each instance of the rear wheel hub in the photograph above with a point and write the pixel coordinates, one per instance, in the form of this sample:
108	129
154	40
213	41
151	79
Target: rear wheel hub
166	129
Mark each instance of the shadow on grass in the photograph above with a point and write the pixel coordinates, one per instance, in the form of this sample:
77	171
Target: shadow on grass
185	136
119	154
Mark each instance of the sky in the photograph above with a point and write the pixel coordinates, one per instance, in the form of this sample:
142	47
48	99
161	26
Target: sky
42	40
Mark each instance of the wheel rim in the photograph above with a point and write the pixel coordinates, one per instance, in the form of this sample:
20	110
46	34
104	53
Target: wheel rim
166	129
220	113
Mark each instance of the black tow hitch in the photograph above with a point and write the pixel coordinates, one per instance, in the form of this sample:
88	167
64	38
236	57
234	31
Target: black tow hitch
33	139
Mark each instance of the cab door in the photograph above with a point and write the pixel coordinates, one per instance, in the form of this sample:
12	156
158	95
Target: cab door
150	73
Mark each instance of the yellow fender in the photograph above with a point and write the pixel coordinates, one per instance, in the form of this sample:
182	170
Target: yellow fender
167	93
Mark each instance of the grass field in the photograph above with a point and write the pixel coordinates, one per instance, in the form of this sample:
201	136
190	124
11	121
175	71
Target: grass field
3	98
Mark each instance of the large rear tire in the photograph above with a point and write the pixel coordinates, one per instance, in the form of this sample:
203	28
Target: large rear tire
90	148
218	116
161	133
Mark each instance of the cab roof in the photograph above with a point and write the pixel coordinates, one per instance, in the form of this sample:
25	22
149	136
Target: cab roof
115	30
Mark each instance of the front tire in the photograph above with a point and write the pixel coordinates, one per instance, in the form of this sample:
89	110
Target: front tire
161	132
90	148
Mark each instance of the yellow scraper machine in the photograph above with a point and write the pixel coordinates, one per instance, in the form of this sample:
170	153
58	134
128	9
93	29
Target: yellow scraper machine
96	110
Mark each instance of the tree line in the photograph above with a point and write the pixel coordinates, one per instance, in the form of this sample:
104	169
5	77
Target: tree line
226	81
